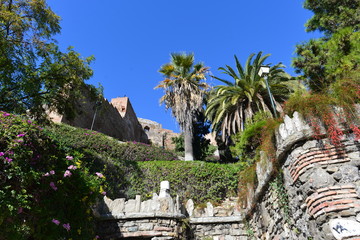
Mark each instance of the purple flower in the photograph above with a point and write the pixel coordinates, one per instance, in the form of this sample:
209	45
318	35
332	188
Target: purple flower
67	173
9	160
52	185
21	135
2	154
57	222
52	172
69	158
29	121
6	114
103	193
72	167
100	175
66	226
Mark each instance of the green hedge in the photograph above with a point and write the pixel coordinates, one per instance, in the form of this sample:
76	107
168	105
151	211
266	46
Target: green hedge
200	181
79	138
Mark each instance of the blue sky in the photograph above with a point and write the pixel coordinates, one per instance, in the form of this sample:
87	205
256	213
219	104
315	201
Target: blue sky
131	39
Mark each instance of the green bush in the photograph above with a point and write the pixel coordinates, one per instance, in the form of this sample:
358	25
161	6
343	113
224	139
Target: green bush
45	190
88	140
200	181
246	142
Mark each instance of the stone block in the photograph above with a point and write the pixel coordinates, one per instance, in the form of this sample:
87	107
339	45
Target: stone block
190	207
117	206
320	178
137	203
166	205
349	173
133	229
209	209
150	206
130	206
163	229
146	227
229	237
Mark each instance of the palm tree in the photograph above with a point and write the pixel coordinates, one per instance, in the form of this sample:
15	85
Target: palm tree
184	92
230	105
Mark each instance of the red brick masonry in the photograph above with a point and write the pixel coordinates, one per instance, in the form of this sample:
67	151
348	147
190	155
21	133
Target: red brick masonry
333	199
329	155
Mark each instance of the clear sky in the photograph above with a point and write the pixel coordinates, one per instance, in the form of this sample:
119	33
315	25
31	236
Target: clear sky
131	39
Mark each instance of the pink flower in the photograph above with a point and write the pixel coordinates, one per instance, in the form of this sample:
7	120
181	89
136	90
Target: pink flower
67	173
103	193
100	175
72	167
9	160
69	158
21	135
57	222
6	114
46	174
2	154
52	185
52	172
66	226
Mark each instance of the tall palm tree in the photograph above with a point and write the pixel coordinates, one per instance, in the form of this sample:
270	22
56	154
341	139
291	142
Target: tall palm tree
230	105
184	92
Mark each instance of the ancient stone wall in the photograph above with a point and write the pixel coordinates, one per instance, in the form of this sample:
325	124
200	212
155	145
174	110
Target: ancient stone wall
318	196
116	119
157	135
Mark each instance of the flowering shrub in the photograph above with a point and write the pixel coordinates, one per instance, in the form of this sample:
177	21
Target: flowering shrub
318	110
45	190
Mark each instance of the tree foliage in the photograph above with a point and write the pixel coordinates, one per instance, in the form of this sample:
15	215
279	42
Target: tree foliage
230	105
331	16
34	72
322	61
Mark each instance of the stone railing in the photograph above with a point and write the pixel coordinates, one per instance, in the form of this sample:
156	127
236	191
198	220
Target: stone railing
163	218
157	218
220	222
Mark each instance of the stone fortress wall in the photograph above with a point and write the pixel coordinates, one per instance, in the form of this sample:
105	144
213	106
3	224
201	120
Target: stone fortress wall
157	135
117	119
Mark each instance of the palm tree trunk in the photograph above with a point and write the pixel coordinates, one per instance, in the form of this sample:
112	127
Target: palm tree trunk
188	137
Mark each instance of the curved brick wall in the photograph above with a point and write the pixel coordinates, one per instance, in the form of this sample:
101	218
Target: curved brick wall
319	197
